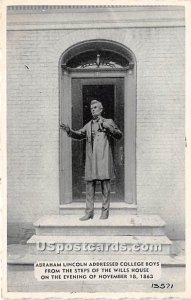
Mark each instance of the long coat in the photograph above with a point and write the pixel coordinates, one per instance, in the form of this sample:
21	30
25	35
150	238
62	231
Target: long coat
99	159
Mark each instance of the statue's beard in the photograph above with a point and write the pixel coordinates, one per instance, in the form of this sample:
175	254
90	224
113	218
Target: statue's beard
96	116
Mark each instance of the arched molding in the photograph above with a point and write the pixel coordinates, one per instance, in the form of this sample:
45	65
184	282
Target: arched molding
98	45
73	40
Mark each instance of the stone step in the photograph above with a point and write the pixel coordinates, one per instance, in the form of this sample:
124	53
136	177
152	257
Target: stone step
107	245
116	208
115	225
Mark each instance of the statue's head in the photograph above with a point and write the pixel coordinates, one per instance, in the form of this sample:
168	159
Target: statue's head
96	108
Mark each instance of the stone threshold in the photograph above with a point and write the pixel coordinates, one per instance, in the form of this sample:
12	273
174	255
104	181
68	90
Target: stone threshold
117	220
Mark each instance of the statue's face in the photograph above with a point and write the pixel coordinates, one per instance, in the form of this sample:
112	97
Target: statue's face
96	110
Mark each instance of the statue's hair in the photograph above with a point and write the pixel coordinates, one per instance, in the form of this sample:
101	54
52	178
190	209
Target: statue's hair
98	102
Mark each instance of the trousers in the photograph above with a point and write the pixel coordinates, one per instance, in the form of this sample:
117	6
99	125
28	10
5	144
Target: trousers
90	195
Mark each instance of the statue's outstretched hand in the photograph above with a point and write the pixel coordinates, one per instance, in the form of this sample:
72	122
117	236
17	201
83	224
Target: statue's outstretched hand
65	127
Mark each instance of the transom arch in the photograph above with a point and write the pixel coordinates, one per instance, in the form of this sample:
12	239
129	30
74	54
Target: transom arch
97	53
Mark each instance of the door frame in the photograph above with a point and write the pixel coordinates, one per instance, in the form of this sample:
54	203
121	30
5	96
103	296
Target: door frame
65	148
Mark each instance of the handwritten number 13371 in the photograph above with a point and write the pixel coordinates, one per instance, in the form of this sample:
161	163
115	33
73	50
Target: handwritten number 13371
162	286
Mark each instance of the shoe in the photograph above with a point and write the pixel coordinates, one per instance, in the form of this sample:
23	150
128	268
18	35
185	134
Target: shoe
104	216
87	217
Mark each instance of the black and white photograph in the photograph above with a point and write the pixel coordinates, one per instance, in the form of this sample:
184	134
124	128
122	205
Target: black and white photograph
95	149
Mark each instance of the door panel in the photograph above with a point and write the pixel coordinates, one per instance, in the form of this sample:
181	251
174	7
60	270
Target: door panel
110	91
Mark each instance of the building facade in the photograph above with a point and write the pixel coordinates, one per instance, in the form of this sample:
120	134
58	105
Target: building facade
58	58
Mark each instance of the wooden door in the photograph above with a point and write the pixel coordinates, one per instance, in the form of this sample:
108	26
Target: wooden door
110	91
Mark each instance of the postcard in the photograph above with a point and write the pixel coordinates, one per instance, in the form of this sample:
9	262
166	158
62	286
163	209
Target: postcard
95	144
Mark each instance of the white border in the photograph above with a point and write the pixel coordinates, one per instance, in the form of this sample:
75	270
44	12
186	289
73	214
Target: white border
187	293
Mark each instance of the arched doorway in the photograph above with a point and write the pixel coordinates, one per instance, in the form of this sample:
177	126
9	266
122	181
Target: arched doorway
104	70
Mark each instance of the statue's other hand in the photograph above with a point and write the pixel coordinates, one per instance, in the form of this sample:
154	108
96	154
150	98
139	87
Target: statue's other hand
65	127
105	125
